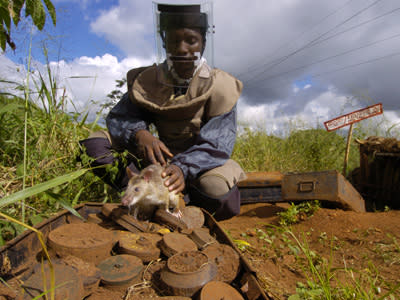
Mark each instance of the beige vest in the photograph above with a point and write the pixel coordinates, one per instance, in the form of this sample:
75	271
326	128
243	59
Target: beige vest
211	92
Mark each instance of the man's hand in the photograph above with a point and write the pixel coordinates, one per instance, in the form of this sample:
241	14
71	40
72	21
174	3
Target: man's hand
175	181
152	148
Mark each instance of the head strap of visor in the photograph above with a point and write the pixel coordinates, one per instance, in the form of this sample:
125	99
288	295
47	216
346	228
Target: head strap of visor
182	16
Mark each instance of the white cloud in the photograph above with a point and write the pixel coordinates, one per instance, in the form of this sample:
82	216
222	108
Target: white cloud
85	79
128	25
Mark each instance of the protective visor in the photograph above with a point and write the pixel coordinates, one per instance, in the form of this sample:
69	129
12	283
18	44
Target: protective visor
184	41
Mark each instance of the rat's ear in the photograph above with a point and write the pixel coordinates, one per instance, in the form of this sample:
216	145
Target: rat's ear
130	173
148	174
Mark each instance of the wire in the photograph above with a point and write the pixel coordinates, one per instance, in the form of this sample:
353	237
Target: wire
356	26
257	66
346	67
331	57
313	41
358	64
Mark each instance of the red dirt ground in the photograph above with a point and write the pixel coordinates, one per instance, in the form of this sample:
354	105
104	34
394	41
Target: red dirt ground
356	241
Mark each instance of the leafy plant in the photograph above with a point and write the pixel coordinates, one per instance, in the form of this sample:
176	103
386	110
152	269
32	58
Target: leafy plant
298	212
10	12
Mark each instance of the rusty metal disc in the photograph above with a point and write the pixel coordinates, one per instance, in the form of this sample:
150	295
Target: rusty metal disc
169	220
87	271
217	290
90	242
193	217
142	245
226	259
187	272
174	242
120	269
202	237
69	284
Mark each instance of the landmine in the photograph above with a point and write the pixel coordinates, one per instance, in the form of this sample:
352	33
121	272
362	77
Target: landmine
108	259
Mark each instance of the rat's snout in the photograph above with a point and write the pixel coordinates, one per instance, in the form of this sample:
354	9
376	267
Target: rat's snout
126	200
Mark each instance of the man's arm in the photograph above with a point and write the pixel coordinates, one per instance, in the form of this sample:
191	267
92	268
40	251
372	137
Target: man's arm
128	127
124	121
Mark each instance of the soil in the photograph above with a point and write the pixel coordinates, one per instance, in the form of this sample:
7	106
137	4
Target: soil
361	242
185	262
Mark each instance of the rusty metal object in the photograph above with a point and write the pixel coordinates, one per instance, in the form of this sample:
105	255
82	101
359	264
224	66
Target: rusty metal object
94	218
17	256
193	217
119	215
120	270
89	242
261	187
69	284
173	243
217	290
142	245
7	292
169	220
330	186
379	173
202	237
187	272
87	271
251	287
261	179
226	259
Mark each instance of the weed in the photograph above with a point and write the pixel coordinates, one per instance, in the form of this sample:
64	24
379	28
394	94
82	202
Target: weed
296	213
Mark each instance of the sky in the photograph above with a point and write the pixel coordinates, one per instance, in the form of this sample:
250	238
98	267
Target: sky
302	62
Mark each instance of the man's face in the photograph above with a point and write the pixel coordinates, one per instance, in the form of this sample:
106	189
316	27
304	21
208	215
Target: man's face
184	45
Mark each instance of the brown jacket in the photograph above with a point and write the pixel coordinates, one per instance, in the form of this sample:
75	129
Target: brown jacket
212	92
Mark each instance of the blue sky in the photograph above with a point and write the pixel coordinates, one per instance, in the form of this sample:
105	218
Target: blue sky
72	33
304	61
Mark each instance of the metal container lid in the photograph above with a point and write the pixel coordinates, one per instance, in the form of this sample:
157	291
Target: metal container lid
90	242
226	259
120	269
174	242
142	245
217	290
193	217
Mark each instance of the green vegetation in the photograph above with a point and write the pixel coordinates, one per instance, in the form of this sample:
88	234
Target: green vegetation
300	151
10	12
39	150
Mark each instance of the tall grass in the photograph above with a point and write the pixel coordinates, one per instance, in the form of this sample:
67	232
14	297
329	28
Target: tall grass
39	145
300	151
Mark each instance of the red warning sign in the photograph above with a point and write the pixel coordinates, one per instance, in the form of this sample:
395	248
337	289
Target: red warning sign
354	117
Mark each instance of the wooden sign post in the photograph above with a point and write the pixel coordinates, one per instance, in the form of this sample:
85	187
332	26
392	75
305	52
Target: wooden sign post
350	119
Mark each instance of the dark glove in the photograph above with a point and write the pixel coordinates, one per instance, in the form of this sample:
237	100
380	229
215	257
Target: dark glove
175	181
152	148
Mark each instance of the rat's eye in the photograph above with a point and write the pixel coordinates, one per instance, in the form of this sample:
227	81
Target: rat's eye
136	189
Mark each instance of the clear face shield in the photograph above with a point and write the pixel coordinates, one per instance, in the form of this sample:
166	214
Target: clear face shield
184	40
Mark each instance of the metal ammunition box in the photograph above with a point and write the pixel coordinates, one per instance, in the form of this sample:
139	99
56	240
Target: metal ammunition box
329	186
